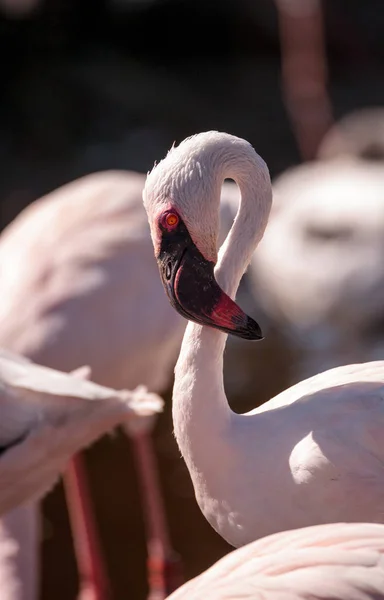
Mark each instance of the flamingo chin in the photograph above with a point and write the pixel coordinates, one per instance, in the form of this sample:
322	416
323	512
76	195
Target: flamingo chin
189	282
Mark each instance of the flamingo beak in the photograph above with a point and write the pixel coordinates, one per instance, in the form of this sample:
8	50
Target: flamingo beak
189	281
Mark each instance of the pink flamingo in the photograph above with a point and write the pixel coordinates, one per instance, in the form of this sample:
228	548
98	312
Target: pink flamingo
47	416
318	271
339	561
311	455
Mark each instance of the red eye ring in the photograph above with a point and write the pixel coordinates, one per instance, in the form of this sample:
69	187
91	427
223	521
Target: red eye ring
171	219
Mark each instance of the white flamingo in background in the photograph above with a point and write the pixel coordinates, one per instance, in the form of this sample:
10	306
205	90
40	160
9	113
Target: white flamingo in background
340	561
311	455
80	285
318	272
359	135
47	416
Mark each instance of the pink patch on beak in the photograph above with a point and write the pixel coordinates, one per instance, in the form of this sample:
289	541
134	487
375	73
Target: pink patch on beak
227	313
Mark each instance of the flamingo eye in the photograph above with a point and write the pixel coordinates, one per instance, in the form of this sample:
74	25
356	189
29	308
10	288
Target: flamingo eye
171	219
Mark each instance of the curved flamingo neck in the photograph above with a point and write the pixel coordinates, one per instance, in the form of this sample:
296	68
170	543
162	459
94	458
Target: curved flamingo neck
248	228
201	413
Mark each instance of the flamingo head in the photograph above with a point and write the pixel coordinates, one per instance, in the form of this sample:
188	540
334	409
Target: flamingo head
181	198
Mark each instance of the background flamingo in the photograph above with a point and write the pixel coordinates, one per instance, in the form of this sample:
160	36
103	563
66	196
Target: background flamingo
83	258
80	256
318	271
247	482
359	135
46	416
339	561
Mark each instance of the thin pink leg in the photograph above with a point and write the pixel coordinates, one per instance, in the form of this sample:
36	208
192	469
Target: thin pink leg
164	565
94	584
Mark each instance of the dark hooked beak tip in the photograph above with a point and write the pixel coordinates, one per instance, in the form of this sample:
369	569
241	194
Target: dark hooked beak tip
252	330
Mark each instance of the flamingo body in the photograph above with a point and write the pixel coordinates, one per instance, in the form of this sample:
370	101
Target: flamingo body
318	445
340	561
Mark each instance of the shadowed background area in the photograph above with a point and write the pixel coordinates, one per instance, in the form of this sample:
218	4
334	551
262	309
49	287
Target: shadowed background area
111	84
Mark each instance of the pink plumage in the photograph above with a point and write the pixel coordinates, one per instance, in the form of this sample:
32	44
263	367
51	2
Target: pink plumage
341	561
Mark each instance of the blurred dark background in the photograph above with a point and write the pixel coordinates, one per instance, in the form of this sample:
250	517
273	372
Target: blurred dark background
93	85
111	84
